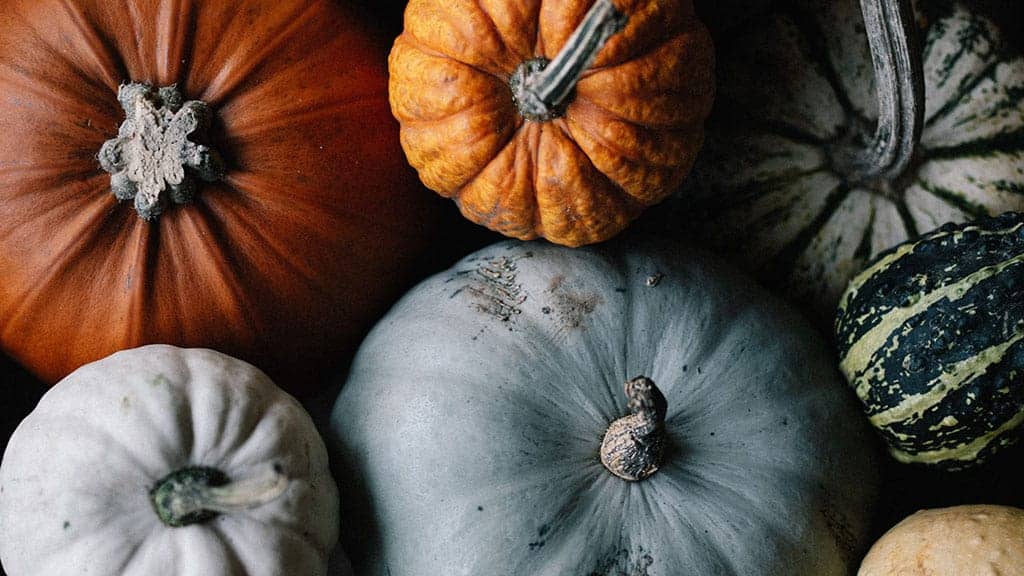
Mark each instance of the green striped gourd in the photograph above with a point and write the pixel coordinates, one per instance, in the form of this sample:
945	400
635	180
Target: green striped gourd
797	89
931	336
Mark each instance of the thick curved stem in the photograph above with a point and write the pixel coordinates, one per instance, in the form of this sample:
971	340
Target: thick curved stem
543	89
899	80
633	445
196	494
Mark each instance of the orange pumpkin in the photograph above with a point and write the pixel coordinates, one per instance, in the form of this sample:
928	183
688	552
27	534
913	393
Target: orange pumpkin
553	118
298	220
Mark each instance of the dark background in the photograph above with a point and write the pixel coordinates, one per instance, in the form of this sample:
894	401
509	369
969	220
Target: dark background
906	488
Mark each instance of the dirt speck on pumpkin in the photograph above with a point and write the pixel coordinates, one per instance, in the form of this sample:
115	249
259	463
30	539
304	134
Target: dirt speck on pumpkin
126	403
571	306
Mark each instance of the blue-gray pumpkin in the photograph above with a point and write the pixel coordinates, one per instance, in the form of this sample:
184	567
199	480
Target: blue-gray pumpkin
485	426
931	336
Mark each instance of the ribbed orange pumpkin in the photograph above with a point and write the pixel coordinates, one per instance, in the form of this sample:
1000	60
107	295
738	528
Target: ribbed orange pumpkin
537	131
304	235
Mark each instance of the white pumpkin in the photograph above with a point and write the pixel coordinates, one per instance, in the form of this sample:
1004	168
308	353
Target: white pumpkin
167	461
476	425
797	94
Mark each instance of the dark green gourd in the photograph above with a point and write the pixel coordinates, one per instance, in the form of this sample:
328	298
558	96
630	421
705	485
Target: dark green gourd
931	336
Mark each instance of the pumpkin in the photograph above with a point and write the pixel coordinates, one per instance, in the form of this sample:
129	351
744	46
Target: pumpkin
975	539
199	173
618	409
792	184
551	118
161	460
931	336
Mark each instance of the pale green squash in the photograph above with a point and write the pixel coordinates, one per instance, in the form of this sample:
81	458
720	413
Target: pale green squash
796	91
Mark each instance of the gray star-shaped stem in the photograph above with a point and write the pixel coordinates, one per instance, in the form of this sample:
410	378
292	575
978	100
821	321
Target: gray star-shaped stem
152	152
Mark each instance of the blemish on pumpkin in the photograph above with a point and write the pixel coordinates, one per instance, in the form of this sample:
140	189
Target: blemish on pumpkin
492	285
654	279
572	307
67	524
621	563
126	403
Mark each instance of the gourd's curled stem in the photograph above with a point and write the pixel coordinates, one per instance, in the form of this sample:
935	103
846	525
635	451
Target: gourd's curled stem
542	89
634	445
197	493
899	80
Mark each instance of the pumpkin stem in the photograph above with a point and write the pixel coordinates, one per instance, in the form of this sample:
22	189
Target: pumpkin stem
899	77
196	494
152	149
634	445
543	89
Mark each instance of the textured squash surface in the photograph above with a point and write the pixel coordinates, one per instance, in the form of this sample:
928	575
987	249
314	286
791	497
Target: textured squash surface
627	138
956	541
931	336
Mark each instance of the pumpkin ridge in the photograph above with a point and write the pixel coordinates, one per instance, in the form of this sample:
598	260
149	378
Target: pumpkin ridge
215	254
220	88
497	32
816	52
964	91
98	48
297	114
515	142
789	254
173	36
972	209
1011	143
617	146
76	243
419	45
49	92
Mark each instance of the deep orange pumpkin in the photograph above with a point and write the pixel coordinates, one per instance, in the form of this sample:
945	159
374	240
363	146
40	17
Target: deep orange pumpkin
623	139
284	261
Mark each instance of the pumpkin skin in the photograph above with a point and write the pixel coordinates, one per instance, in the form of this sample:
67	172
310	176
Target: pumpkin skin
976	539
78	471
469	428
793	85
931	337
624	142
307	238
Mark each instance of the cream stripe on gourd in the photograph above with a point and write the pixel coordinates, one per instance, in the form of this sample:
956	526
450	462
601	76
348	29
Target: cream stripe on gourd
967	451
859	356
883	264
963	374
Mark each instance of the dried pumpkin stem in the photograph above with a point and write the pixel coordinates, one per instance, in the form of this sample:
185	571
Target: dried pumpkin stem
196	494
899	81
633	445
152	160
543	89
